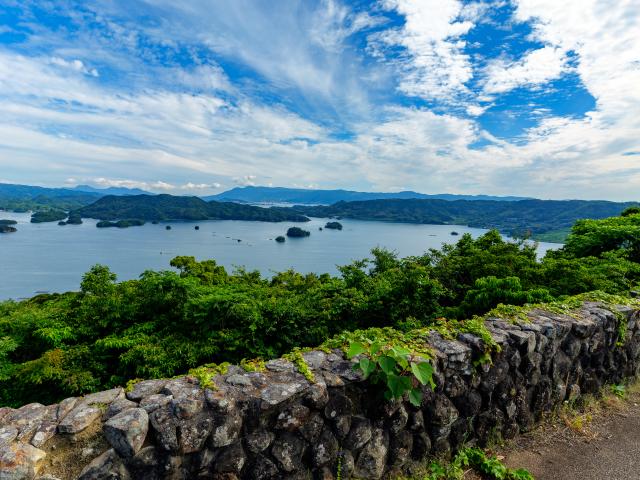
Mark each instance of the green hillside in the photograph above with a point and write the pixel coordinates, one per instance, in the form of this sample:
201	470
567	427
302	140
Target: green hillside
541	219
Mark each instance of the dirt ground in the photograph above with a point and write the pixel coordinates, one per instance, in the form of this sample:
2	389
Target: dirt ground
600	441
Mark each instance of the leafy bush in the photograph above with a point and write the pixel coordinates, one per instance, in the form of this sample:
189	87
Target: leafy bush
593	238
489	292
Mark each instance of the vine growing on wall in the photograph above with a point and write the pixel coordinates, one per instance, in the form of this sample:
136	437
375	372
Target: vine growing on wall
395	367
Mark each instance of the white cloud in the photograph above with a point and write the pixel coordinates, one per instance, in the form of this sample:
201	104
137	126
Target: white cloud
435	65
76	65
204	77
335	22
155	186
200	186
124	183
605	37
535	68
476	110
246	180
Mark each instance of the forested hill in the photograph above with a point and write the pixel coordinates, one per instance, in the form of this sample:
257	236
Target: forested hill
169	207
327	197
548	220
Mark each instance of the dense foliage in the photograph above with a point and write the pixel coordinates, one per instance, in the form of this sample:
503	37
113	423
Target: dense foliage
165	323
548	220
170	207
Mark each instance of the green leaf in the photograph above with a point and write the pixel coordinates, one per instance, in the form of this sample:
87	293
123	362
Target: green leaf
387	364
367	366
415	397
424	373
401	351
398	385
375	348
404	364
356	348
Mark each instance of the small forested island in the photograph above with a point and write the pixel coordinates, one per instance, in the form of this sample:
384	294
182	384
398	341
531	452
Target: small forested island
134	222
6	226
170	207
333	226
44	216
72	220
280	239
297	232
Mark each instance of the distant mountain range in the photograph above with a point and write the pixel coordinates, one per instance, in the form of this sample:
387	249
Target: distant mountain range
328	197
111	190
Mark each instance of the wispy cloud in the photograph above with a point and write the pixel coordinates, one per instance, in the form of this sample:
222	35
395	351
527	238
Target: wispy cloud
76	65
434	64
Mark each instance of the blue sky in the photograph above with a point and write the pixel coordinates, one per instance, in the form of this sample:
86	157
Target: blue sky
525	97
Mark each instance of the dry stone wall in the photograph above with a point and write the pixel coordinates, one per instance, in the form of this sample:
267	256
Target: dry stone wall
278	425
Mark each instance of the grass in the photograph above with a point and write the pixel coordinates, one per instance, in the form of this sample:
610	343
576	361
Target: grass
578	416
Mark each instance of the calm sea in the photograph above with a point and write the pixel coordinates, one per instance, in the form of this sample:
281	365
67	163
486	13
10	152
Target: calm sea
49	258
